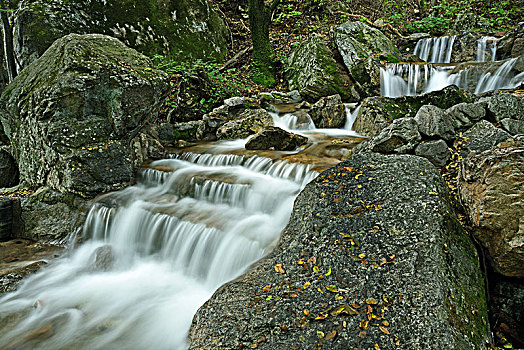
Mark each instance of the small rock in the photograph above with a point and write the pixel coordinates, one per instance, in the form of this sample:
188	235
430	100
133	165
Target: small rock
483	136
328	112
250	122
103	259
277	138
401	136
435	151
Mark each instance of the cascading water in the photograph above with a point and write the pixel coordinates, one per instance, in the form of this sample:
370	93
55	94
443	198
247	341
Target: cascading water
409	79
435	50
486	49
189	225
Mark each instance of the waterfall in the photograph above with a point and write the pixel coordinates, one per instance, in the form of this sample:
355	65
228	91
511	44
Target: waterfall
485	43
190	224
435	50
500	79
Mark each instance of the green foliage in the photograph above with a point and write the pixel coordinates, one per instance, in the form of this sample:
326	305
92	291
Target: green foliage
202	82
286	13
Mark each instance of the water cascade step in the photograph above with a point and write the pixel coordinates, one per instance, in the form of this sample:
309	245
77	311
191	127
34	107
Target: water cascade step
192	223
409	79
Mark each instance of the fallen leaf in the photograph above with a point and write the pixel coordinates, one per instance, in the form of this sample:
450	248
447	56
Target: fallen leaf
344	309
331	335
321	317
320	334
376	347
328	272
332	288
371	301
362	256
384	329
266	288
307	284
300	261
385	323
306	312
364	324
279	268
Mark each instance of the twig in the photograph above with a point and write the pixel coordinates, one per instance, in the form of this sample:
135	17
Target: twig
235	58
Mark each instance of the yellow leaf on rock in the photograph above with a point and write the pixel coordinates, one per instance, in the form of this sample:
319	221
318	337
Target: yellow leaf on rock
328	272
371	301
320	334
331	335
332	288
279	268
376	347
384	329
307	284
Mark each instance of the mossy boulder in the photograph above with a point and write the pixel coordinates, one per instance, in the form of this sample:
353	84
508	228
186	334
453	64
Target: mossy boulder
315	74
361	48
72	113
181	29
373	256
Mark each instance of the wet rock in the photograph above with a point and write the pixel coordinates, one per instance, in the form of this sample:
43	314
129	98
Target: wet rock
513	126
328	112
145	147
377	112
314	72
401	136
518	48
103	259
9	174
501	106
10	281
182	29
464	115
373	235
163	132
491	187
436	151
50	217
483	136
434	123
249	122
277	139
91	95
10	218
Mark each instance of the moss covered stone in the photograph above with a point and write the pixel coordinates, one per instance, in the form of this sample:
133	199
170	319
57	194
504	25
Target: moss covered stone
314	72
181	29
71	114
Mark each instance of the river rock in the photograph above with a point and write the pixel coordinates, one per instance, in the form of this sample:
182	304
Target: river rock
483	136
436	151
103	259
277	139
434	123
464	115
373	257
491	187
328	112
314	72
401	136
249	122
518	48
90	96
513	126
8	170
187	131
181	29
500	106
377	112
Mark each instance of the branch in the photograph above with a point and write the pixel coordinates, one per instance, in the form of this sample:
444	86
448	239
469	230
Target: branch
235	58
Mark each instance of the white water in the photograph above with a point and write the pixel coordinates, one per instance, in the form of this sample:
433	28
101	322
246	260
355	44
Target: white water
412	79
406	79
486	49
435	50
176	237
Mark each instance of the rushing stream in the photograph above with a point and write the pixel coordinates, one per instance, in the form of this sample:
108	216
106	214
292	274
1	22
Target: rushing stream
189	225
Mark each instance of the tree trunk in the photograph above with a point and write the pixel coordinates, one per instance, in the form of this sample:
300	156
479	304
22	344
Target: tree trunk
9	53
259	21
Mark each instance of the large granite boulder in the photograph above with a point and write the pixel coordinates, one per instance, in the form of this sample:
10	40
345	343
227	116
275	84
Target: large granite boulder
373	257
501	106
361	48
491	187
72	114
314	72
436	151
464	115
182	29
377	112
328	112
